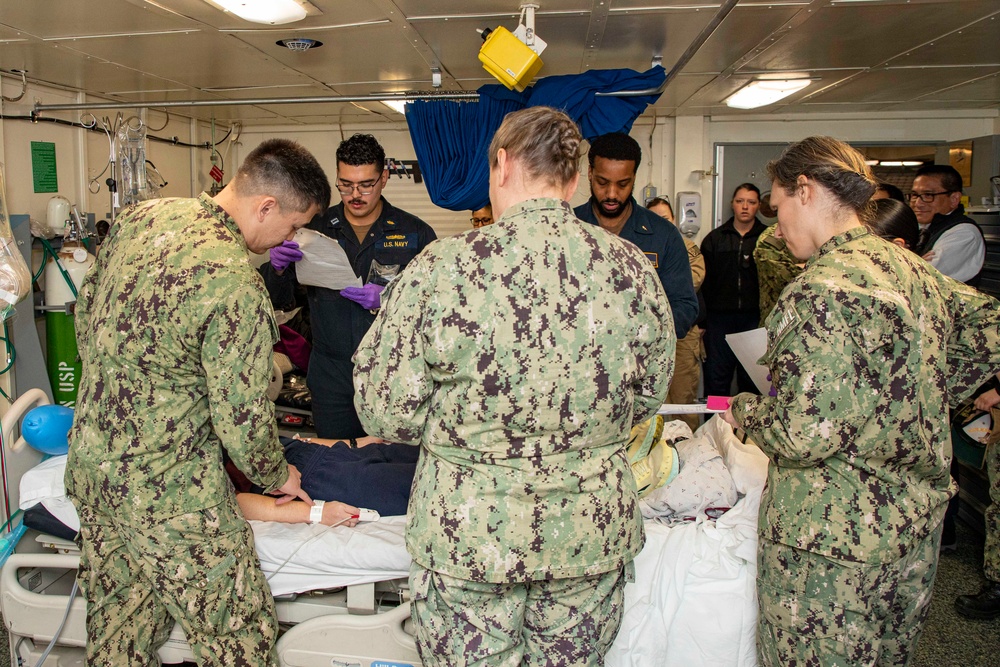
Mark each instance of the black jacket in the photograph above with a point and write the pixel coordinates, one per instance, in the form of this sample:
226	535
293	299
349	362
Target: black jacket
731	284
942	223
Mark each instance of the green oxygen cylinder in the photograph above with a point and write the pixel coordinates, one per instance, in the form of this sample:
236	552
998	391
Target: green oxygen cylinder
62	355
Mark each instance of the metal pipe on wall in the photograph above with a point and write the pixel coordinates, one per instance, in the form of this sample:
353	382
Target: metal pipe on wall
408	97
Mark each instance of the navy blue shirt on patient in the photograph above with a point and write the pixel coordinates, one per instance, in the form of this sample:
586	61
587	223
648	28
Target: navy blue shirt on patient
377	476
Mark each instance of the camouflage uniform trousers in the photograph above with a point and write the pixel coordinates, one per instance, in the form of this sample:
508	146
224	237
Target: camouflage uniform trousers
821	612
991	552
571	621
687	374
198	569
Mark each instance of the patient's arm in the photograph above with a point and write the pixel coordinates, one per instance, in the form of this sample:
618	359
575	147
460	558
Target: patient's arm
326	442
263	508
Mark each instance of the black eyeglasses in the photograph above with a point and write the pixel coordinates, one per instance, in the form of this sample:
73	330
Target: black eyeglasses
479	222
926	197
364	188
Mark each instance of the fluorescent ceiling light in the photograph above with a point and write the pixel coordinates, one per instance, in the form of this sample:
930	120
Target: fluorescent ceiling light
395	105
901	163
274	12
763	92
871	163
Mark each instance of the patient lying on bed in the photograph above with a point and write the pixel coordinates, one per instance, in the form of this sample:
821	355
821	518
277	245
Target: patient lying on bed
375	475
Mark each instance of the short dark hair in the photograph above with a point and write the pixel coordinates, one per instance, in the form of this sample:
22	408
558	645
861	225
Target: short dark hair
285	170
746	186
891	190
950	179
615	146
893	219
361	149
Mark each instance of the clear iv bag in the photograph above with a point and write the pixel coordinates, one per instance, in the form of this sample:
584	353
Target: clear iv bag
15	279
133	186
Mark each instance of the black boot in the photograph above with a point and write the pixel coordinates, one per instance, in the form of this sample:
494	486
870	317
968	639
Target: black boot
984	605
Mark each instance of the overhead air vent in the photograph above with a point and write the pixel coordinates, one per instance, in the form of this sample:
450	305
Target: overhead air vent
299	44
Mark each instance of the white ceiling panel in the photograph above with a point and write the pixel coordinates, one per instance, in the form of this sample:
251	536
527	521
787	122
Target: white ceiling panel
220	62
873	55
963	46
668	33
886	85
981	91
866	34
347	55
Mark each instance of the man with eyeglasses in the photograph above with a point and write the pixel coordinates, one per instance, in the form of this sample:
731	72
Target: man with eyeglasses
380	240
950	240
482	216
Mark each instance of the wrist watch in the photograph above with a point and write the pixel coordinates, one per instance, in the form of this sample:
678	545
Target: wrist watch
316	511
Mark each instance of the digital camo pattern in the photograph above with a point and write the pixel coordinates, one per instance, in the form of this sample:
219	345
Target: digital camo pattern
573	622
776	267
820	612
198	568
519	355
867	348
175	333
991	551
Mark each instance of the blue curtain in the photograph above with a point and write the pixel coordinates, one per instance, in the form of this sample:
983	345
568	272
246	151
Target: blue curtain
451	139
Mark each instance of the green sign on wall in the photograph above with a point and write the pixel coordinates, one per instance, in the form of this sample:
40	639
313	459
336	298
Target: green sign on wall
43	166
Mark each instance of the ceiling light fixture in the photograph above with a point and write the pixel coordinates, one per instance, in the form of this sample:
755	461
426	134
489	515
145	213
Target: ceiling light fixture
273	12
901	163
765	91
399	106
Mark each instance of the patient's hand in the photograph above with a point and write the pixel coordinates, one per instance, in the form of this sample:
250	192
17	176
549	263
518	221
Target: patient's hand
337	513
371	440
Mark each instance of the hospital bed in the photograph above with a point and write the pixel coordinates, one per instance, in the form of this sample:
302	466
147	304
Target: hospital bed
342	598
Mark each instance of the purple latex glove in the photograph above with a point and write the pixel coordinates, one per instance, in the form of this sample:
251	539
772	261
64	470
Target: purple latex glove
368	296
772	391
285	254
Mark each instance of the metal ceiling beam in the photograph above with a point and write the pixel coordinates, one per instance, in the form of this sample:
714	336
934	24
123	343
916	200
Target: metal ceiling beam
685	58
595	32
328	99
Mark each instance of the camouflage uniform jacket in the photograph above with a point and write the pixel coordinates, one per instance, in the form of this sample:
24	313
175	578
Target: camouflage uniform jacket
175	332
776	267
519	355
866	348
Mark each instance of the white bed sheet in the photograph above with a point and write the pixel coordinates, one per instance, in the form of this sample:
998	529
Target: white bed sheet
320	557
693	602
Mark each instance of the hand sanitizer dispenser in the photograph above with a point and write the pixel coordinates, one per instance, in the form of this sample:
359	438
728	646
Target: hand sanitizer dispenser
689	213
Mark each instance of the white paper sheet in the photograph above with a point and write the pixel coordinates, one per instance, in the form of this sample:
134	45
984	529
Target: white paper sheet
749	346
324	263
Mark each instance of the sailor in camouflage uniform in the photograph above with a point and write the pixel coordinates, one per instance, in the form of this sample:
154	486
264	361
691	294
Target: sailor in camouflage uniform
867	347
175	333
986	603
775	268
518	356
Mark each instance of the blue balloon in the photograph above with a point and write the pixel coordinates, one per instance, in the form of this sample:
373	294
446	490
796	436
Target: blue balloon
46	428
